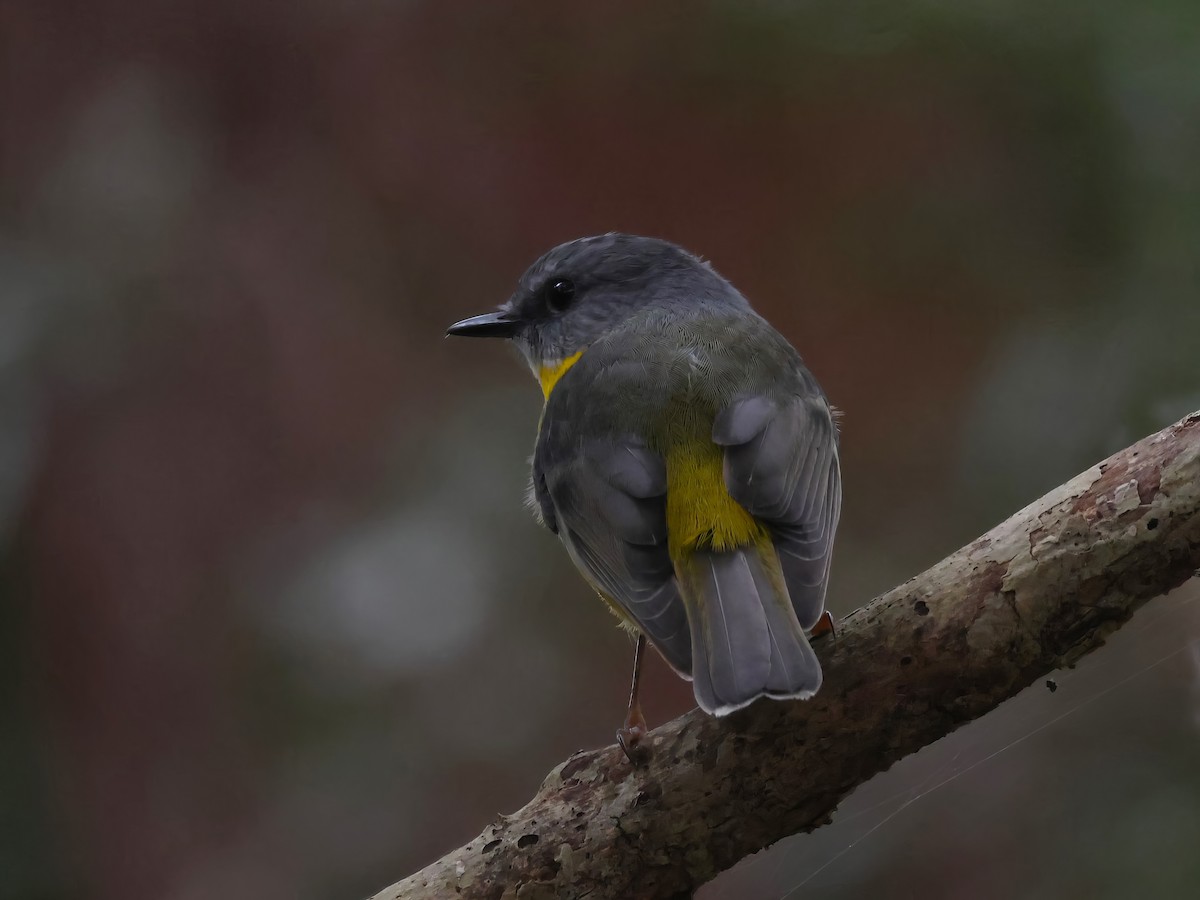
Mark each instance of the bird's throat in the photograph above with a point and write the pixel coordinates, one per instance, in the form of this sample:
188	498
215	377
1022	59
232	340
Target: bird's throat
549	373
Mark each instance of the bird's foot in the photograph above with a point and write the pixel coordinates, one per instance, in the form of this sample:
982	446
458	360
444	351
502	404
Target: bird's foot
630	737
824	626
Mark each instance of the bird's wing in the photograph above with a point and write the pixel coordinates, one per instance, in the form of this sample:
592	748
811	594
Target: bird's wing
607	498
781	464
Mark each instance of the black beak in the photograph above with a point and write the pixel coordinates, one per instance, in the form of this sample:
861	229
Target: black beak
493	324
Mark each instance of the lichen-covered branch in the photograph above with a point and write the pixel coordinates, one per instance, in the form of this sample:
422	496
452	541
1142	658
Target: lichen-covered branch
1035	593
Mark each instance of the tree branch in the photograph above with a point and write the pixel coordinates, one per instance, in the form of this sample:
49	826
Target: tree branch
1032	595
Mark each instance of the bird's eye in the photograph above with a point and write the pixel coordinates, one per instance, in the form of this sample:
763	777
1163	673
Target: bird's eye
559	294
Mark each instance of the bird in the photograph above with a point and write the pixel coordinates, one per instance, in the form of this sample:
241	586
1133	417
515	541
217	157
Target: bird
687	460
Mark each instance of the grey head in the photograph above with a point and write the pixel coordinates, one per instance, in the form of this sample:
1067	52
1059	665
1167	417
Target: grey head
581	290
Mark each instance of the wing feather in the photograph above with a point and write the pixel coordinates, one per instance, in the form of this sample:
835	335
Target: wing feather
609	499
781	464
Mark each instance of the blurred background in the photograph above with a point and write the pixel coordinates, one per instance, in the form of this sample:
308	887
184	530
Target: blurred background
273	620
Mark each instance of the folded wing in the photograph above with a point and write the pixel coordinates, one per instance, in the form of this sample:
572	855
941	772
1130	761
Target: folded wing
608	499
781	464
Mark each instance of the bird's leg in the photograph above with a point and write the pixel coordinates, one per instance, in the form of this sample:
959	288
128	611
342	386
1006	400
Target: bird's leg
824	626
630	735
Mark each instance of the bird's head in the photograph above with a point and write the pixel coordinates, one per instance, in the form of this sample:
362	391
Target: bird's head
582	290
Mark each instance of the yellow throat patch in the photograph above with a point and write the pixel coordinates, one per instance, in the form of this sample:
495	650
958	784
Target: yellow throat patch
550	372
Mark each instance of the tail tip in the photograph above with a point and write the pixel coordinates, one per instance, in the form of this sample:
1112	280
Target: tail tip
723	709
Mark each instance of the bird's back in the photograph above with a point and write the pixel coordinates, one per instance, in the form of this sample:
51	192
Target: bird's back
638	416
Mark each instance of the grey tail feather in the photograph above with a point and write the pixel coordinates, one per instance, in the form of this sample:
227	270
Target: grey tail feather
746	641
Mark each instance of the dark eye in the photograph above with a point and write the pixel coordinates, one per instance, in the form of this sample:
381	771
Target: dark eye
559	294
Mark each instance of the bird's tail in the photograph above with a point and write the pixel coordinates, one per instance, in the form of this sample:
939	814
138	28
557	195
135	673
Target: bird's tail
746	640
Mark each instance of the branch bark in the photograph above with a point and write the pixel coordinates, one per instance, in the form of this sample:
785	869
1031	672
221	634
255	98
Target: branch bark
1034	594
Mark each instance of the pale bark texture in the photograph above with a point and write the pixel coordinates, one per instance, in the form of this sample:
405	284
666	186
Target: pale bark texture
1032	595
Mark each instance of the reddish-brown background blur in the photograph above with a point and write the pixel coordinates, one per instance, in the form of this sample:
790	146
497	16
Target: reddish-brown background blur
274	622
